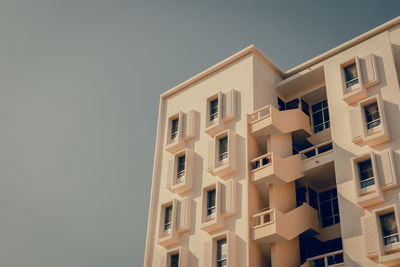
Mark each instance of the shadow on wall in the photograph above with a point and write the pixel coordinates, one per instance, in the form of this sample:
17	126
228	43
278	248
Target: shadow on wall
350	262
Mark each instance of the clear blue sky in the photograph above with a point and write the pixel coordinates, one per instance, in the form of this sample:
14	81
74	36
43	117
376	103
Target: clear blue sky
79	91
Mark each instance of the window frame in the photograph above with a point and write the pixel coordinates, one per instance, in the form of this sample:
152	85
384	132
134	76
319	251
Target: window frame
361	181
220	260
216	114
324	107
181	173
333	215
223	156
349	84
167	225
397	234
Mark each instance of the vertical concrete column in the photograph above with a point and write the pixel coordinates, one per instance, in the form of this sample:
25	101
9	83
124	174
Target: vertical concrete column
285	254
280	144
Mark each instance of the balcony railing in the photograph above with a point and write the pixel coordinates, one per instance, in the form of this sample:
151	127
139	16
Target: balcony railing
316	150
333	259
260	113
261	161
263	217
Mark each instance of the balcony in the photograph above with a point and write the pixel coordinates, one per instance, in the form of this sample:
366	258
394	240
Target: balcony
333	259
273	169
317	155
271	225
270	121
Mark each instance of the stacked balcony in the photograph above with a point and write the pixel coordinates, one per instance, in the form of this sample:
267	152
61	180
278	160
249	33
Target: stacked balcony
272	225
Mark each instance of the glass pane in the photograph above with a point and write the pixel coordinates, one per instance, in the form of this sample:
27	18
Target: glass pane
325	148
310	154
319	263
316	107
388	224
300	195
326	115
313	198
211	198
327	222
326	209
317	118
325	195
292	104
334	192
337	219
350	72
318	128
223	145
221	249
175	260
335	206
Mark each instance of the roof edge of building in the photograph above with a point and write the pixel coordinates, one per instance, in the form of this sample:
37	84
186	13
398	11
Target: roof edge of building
356	40
222	64
253	49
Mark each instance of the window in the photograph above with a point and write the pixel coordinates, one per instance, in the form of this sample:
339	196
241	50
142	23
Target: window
181	168
372	117
329	208
350	74
211	203
365	173
320	116
222	253
213	109
168	218
174	128
223	148
175	260
390	234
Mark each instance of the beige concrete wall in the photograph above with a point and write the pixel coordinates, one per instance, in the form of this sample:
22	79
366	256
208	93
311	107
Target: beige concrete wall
345	149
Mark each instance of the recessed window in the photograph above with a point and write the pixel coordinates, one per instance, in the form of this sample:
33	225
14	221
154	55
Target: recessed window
351	75
320	116
175	260
372	117
168	218
223	148
390	234
365	173
329	208
213	109
210	202
222	253
181	168
174	128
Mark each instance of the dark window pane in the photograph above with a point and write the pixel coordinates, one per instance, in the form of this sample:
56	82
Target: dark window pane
334	192
312	195
326	209
281	104
326	115
316	107
327	222
335	206
292	104
325	195
317	117
325	148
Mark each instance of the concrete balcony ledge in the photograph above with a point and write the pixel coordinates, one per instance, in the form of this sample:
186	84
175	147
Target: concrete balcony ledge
317	155
270	121
270	168
271	225
332	259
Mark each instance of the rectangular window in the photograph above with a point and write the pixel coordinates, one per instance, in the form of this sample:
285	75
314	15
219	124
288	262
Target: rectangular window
294	104
222	253
350	74
211	203
174	128
372	117
181	167
223	148
329	208
168	218
213	109
175	260
320	116
390	234
365	173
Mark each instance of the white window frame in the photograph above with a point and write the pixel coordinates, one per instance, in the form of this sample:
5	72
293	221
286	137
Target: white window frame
219	258
324	122
211	210
331	206
167	226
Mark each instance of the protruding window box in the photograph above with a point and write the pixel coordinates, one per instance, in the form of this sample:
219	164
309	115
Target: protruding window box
174	221
181	129
271	225
365	174
273	169
180	172
270	121
368	122
358	74
221	109
381	235
221	250
219	203
176	257
222	154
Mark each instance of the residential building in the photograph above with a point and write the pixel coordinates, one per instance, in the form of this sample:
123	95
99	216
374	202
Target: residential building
259	167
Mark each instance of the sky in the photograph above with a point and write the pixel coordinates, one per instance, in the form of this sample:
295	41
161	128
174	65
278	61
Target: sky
80	82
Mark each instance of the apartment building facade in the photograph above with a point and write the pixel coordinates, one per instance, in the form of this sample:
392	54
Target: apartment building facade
259	167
